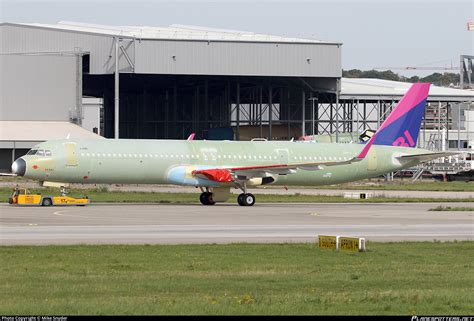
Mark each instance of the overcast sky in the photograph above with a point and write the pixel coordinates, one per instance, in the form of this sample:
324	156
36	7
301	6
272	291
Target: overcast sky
374	33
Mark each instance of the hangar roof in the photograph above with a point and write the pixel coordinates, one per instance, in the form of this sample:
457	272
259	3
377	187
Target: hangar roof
374	89
39	131
177	50
174	32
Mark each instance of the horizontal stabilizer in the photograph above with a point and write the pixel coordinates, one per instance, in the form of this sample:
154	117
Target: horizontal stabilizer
8	174
421	158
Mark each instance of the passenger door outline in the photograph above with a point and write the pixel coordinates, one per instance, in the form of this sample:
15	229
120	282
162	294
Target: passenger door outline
70	153
372	160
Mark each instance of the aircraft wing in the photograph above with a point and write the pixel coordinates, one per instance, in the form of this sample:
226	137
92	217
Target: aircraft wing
222	175
421	158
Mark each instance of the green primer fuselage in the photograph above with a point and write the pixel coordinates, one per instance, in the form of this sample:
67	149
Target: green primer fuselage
150	161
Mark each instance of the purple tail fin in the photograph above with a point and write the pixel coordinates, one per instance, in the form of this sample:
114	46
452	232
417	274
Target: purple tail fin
402	126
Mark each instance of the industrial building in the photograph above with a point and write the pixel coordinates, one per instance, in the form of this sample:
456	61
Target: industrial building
169	82
162	82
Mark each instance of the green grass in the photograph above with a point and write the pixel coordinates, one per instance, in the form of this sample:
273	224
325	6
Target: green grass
391	278
449	208
102	195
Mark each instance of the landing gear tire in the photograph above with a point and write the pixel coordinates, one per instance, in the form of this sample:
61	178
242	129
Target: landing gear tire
47	202
240	200
246	199
206	199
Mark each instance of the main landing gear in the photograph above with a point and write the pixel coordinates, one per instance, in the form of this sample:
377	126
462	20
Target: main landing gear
206	198
246	199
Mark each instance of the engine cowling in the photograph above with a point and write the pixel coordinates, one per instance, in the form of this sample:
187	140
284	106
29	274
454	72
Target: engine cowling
183	175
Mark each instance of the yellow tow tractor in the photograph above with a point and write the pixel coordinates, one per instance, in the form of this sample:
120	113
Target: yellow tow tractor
22	196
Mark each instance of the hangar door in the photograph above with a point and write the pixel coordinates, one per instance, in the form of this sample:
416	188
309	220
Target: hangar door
39	87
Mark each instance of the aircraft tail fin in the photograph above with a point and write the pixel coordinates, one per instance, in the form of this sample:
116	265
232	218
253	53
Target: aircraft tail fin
402	126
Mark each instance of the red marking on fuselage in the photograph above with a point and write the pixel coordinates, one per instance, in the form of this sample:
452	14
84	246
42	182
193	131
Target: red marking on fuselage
85	177
35	167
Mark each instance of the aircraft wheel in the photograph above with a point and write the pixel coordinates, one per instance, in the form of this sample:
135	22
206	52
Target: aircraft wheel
246	199
202	198
240	199
249	199
206	198
210	199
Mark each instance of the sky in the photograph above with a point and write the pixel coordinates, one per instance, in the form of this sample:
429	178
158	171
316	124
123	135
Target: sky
374	33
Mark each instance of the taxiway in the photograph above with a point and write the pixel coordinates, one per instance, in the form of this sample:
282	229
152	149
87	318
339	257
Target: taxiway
224	223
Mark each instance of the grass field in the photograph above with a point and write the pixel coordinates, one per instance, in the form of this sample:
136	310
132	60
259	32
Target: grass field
102	195
391	278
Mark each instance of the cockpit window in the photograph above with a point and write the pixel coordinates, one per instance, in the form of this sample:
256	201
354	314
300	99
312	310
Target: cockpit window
40	152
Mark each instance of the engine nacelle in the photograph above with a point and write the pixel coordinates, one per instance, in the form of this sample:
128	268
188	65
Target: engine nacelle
256	181
182	175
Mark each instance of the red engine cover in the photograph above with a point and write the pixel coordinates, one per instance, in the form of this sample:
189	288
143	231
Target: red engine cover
217	175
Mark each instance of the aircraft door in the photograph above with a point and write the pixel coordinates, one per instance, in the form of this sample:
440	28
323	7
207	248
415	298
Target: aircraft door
372	160
70	154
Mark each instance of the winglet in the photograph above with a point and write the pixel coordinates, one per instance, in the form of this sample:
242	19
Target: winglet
191	137
402	126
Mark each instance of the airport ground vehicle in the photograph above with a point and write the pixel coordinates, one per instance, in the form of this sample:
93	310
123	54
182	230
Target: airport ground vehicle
22	196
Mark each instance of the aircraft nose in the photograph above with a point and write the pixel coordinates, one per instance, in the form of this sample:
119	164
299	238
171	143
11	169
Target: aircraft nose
19	167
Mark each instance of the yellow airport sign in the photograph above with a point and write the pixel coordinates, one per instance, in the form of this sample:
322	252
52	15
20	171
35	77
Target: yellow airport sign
349	243
354	244
328	242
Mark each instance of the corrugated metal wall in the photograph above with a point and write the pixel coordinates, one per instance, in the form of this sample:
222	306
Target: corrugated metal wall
37	87
238	58
27	39
180	56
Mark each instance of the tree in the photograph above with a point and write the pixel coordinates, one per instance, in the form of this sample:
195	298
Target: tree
438	79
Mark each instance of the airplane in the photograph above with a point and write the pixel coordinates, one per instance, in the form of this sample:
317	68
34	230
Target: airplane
217	166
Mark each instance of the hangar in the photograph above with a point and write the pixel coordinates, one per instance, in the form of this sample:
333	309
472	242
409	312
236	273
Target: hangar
168	82
163	82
